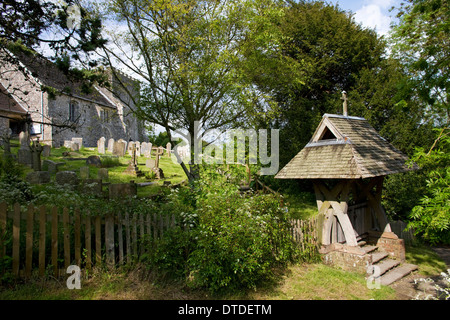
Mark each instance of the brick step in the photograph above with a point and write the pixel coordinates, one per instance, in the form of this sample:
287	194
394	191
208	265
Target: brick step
397	273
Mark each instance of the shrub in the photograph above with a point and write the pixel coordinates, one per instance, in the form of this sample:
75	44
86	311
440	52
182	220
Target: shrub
224	239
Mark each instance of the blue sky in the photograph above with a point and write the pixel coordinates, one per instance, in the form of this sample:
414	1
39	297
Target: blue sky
373	14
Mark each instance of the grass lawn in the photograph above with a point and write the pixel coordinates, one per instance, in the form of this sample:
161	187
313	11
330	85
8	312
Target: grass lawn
298	282
172	171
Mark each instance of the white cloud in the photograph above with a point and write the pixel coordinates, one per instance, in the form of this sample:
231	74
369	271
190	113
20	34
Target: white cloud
375	15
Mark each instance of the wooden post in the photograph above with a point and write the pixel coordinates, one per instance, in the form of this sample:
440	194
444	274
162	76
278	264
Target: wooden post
16	240
120	235
29	242
3	214
77	238
66	238
109	241
87	238
127	234
42	223
98	240
55	241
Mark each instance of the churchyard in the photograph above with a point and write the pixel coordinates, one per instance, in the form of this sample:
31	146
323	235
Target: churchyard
104	163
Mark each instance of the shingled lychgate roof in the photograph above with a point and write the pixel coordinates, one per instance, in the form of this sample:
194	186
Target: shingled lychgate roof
345	148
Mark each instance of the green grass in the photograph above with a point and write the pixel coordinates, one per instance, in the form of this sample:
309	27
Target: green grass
426	259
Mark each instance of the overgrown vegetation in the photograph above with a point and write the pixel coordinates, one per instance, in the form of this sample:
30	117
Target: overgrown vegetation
226	239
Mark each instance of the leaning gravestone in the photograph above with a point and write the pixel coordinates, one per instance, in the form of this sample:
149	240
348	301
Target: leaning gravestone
168	149
101	145
150	163
36	150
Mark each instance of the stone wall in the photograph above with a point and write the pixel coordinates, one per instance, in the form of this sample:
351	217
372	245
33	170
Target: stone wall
348	258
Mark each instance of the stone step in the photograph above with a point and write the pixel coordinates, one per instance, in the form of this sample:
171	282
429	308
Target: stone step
386	265
378	256
369	249
397	273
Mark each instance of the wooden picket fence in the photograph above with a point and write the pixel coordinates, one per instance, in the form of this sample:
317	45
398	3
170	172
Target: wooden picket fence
51	238
46	240
304	232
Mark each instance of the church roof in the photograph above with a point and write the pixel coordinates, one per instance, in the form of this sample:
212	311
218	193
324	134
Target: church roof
345	147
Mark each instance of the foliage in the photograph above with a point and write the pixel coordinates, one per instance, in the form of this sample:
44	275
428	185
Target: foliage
189	55
431	217
421	41
225	239
13	189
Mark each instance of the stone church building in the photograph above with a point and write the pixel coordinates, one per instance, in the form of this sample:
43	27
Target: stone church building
67	111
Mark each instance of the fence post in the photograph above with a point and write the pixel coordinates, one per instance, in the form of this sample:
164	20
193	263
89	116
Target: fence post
55	241
16	240
29	242
109	240
66	238
42	222
3	214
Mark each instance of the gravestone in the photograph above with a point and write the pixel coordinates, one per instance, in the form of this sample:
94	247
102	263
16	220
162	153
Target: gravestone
24	153
101	145
131	146
169	149
146	149
92	186
150	163
67	178
102	174
124	145
94	161
119	148
110	145
122	190
79	141
36	150
138	148
75	146
53	166
132	167
68	144
46	151
84	173
38	177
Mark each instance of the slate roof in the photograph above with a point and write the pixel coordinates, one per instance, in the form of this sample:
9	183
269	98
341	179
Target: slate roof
50	75
345	148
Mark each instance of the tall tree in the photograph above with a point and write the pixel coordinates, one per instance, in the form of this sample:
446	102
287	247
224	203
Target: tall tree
331	50
421	39
189	55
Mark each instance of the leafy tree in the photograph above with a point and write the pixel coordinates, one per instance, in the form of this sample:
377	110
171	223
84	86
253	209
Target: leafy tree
331	50
431	217
421	39
189	56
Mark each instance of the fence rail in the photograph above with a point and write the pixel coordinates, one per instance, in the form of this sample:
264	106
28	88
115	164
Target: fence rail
45	240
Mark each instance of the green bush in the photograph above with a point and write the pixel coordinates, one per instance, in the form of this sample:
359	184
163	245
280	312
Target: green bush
224	239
